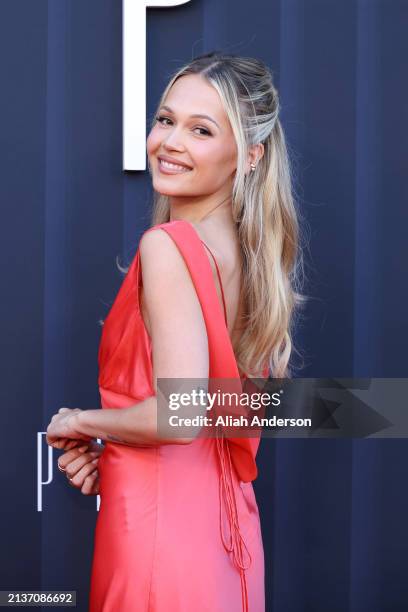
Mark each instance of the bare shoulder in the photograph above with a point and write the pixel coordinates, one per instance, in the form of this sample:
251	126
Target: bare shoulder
165	273
159	254
156	240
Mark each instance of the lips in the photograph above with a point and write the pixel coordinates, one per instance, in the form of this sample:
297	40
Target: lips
173	164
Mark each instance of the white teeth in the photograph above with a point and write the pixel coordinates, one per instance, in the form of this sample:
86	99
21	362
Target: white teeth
173	166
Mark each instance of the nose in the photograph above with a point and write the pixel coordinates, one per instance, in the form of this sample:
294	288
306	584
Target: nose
173	140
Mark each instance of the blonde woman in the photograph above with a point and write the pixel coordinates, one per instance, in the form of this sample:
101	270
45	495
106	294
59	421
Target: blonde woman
210	293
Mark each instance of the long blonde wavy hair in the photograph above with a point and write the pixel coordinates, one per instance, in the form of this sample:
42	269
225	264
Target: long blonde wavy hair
263	207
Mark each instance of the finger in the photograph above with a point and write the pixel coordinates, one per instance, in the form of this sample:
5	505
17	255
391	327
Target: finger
91	484
69	445
78	475
50	438
69	456
78	480
58	443
64	443
91	446
63	409
73	444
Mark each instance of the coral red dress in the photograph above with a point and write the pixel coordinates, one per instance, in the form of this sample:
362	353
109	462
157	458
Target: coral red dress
178	528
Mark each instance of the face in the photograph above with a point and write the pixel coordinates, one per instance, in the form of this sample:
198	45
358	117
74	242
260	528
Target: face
206	145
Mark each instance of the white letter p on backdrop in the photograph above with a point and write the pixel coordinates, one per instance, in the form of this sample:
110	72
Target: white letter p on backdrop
134	79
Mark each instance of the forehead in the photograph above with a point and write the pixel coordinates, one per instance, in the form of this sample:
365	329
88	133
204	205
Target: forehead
193	94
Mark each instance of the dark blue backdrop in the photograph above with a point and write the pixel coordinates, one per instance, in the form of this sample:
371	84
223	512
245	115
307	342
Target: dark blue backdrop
334	512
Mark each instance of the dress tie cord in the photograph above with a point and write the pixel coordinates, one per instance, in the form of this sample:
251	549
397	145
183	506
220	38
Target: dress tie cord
236	541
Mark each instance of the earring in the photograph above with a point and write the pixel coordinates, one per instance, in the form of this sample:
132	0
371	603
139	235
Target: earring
253	166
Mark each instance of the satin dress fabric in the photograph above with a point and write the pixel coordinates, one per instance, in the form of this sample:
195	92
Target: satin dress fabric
178	527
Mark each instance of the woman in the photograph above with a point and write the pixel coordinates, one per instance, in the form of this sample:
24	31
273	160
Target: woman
211	296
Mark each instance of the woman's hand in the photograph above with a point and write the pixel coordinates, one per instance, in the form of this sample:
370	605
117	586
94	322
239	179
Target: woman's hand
62	429
80	467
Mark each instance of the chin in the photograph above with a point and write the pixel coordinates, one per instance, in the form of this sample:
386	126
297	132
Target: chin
167	190
172	194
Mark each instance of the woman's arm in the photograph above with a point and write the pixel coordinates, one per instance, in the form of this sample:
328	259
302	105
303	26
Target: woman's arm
179	346
134	426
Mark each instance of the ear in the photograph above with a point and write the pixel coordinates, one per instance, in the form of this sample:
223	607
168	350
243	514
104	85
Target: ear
254	155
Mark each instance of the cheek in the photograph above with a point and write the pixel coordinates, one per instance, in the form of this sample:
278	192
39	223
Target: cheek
215	161
152	142
206	158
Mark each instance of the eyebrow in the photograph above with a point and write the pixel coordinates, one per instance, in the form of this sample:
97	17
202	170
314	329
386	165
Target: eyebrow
196	115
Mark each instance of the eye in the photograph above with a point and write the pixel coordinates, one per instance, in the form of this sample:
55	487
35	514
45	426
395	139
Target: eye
207	133
162	118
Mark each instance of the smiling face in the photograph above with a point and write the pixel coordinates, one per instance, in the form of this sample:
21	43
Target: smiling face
206	145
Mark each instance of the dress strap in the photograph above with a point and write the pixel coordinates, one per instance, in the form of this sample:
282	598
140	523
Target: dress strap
220	281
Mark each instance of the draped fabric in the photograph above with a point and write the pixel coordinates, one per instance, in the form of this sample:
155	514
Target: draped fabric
333	511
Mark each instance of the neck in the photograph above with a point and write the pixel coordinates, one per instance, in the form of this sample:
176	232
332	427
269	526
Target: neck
198	210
